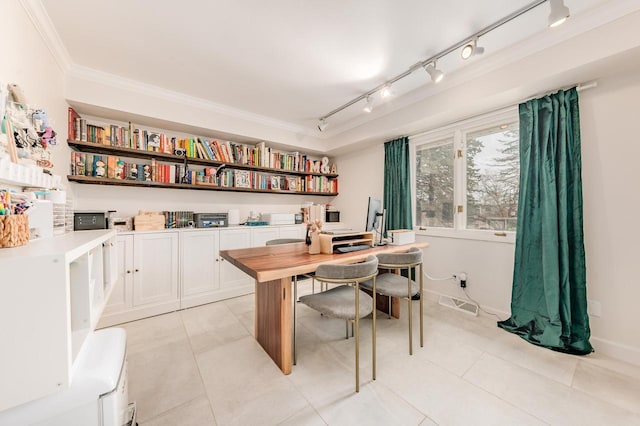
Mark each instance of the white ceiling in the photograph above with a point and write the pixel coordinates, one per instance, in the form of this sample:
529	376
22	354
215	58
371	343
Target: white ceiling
288	60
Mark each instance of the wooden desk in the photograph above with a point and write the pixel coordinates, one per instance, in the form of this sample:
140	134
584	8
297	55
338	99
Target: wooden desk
272	267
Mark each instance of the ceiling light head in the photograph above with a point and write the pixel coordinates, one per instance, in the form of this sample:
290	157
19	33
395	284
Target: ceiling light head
368	107
471	49
386	91
558	14
322	124
435	74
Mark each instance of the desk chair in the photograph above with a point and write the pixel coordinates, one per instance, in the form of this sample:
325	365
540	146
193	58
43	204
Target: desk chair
394	285
347	302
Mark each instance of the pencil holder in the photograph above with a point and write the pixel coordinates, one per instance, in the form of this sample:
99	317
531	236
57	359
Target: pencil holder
14	230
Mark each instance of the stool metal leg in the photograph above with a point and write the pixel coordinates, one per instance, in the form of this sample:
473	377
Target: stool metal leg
373	337
421	309
357	320
410	310
346	329
389	307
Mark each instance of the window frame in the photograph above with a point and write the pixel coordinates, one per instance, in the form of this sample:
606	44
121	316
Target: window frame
458	132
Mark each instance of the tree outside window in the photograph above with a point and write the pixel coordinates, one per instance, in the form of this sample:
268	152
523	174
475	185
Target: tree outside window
469	179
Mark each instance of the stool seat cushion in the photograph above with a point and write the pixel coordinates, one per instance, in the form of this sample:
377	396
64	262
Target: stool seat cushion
354	270
339	302
393	285
410	257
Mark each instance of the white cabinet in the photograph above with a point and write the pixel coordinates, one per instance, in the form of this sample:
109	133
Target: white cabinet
147	277
260	235
292	231
200	267
164	271
230	276
155	269
53	295
123	286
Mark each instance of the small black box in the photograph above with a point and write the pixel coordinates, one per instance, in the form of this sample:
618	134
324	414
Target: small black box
332	216
210	220
83	221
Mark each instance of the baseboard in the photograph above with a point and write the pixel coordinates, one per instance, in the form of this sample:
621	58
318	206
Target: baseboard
606	347
615	350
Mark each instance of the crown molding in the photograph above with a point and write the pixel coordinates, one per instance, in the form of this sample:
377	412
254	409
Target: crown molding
42	23
115	81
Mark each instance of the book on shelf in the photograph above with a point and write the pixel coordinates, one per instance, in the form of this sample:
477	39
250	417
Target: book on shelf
72	116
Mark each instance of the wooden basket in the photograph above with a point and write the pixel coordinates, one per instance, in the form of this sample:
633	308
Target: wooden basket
148	222
14	230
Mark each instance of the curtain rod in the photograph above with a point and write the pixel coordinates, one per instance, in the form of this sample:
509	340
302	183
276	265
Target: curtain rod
579	87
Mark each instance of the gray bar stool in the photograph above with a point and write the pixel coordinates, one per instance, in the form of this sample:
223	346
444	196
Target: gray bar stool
394	285
347	302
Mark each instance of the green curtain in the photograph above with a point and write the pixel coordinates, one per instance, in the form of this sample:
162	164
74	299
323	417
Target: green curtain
549	301
397	184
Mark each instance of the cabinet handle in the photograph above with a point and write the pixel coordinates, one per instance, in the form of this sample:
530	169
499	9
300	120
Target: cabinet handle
221	259
217	260
137	270
128	271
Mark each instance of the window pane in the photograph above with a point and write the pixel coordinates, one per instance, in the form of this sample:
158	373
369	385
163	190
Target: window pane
434	185
493	169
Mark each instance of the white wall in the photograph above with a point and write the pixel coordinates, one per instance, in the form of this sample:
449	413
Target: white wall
361	177
27	62
127	201
611	154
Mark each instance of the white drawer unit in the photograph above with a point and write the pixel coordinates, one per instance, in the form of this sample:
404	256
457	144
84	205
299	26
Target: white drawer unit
97	396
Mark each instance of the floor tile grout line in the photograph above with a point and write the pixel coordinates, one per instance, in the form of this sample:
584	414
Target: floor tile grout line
195	360
531	369
179	406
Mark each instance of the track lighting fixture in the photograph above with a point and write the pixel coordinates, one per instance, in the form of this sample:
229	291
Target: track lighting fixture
469	45
368	107
386	91
559	13
435	73
471	49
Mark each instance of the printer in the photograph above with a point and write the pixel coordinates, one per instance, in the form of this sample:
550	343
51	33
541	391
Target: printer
279	218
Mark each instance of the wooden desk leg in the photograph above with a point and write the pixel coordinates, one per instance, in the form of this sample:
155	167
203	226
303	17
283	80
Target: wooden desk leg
273	320
382	305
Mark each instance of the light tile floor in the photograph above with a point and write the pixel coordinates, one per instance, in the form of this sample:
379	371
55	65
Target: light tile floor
201	366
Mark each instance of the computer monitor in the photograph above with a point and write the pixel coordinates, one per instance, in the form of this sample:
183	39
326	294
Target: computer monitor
375	217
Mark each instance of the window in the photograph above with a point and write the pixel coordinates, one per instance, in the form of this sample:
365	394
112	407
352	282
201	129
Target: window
493	170
466	176
434	184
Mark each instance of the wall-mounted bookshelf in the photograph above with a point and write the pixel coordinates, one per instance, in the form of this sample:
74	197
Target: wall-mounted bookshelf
103	156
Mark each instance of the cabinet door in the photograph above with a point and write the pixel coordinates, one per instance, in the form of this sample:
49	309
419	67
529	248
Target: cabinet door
200	263
155	276
259	236
292	231
230	276
120	298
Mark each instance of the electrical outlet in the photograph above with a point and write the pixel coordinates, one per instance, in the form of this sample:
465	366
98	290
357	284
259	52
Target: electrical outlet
463	279
594	308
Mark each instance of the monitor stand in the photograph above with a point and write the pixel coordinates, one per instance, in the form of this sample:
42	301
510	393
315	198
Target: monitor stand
381	242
